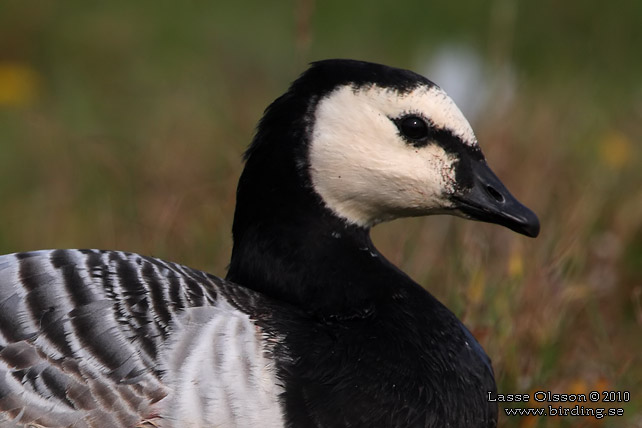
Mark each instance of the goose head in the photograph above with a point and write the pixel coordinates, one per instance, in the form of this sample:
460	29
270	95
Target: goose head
371	143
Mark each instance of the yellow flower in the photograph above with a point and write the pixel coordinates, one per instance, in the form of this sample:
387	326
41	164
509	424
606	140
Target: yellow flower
18	84
616	150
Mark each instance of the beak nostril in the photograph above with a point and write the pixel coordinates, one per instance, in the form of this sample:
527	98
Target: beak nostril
495	194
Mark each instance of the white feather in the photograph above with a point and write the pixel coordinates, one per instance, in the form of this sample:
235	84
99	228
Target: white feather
217	372
365	171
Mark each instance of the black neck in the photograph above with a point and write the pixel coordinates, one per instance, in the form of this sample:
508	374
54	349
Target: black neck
310	268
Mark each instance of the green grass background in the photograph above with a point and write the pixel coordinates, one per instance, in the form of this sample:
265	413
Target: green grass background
122	125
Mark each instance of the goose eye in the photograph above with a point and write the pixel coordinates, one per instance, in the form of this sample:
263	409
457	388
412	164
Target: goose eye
413	127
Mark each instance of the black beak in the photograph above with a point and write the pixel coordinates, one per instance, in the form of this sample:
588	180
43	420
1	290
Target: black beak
490	201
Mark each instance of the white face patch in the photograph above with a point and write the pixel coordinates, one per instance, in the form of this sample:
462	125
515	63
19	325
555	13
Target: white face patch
365	171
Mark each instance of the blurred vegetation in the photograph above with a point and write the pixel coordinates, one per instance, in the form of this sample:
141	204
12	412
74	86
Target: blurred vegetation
122	125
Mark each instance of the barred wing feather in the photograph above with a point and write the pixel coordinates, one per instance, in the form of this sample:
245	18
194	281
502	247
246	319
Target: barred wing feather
94	338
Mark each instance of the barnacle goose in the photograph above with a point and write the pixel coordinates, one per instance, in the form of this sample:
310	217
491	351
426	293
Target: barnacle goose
312	327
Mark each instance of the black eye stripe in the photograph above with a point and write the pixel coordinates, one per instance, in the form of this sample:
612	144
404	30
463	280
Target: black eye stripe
413	133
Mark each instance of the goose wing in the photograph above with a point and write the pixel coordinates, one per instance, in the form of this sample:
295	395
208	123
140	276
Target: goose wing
112	339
